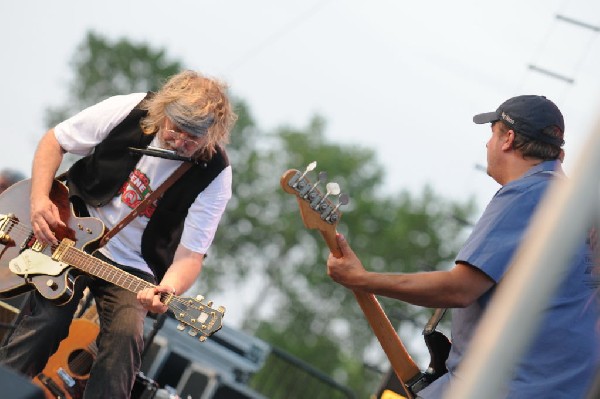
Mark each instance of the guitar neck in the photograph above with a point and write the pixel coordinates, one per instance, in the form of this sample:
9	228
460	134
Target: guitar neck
404	366
98	268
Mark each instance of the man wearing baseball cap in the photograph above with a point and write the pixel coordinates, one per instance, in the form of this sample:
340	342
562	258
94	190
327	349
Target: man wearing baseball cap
524	155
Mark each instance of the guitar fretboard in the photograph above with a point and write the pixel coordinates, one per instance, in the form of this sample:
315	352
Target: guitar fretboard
98	268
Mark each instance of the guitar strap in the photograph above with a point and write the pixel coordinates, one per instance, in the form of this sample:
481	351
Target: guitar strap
145	203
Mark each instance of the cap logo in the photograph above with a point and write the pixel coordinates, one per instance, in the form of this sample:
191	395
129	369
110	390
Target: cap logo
508	118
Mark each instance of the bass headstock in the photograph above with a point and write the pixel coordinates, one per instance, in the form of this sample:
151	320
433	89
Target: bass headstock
201	317
317	209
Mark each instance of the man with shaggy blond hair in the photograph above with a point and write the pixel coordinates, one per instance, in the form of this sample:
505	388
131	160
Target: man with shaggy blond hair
130	145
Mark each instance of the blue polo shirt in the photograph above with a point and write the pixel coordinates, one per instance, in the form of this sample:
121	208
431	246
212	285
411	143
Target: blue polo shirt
561	360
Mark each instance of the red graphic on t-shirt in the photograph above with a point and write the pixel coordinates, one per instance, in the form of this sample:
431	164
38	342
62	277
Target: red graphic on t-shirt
135	189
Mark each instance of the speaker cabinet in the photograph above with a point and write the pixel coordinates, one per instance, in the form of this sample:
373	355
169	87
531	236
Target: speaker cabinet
155	357
197	382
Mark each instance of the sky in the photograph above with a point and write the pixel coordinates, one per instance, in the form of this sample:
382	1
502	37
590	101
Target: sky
403	78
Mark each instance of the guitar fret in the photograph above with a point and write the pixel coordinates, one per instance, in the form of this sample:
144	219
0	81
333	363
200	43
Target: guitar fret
131	284
105	271
117	280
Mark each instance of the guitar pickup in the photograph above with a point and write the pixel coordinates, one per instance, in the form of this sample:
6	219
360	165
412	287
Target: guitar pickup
38	246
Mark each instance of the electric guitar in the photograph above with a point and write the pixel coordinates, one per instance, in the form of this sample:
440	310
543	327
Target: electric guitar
68	369
27	264
319	212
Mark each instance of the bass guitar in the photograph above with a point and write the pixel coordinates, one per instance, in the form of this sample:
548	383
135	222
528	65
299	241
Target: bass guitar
26	263
320	213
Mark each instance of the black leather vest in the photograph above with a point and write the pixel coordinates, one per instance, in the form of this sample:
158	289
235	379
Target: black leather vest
97	178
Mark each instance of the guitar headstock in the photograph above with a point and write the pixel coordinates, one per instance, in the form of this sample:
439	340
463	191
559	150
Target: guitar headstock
198	315
316	208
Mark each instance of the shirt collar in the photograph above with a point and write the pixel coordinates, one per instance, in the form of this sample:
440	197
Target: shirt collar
545	166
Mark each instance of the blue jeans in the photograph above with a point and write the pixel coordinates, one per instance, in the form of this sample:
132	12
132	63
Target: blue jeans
43	325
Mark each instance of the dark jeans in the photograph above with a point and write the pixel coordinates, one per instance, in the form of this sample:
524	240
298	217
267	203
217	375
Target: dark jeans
43	325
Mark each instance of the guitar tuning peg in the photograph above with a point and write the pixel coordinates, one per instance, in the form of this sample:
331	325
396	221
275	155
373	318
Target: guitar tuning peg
200	298
221	309
181	326
332	189
209	304
202	338
192	332
343	199
334	215
311	194
300	180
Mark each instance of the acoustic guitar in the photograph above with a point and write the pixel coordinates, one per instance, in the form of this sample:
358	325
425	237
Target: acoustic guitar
68	369
26	263
319	212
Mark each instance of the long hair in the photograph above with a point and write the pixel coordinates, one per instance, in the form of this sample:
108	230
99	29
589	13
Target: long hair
194	98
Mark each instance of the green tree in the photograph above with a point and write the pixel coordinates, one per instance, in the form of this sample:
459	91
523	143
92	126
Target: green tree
102	68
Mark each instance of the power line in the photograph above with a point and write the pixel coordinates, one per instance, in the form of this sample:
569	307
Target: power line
277	35
566	77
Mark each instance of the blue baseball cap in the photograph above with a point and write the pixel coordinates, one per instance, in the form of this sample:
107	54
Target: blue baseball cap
528	115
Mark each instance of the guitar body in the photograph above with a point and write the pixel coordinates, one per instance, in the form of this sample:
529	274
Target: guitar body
56	288
74	356
16	236
439	347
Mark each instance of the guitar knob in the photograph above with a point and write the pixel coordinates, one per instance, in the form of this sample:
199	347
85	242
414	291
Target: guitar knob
51	284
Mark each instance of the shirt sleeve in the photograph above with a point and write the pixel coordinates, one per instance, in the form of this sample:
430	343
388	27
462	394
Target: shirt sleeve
205	213
83	131
499	232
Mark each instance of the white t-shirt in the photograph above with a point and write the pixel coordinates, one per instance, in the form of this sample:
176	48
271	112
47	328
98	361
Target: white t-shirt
82	132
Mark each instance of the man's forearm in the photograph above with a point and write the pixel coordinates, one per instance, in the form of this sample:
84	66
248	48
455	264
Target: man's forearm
48	157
